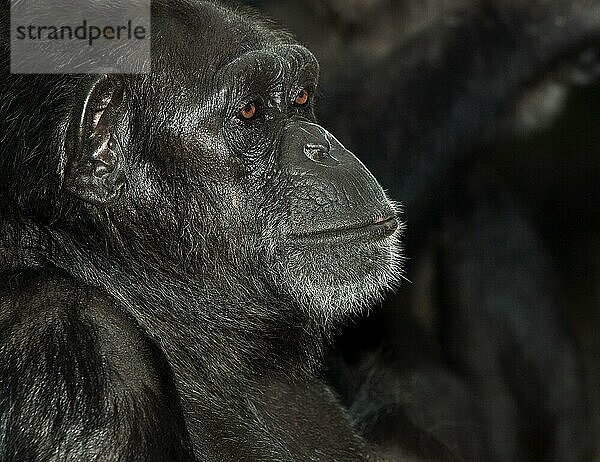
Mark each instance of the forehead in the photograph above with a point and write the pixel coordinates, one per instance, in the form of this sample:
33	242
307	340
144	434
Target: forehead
208	39
270	65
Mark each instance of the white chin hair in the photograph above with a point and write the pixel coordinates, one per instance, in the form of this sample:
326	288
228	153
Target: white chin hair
342	280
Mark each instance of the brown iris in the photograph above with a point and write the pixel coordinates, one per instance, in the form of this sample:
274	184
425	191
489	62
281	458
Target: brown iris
302	98
249	111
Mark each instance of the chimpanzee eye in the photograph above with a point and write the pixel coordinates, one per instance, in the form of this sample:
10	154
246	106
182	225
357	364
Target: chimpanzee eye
302	98
249	111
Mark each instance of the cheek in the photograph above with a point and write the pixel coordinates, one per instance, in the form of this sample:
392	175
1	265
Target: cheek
144	189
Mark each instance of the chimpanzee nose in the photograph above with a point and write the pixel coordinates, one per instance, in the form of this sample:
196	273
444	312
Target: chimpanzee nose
310	145
316	152
327	180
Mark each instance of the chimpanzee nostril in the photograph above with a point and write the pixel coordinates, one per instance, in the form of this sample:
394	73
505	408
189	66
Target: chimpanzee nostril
312	147
316	152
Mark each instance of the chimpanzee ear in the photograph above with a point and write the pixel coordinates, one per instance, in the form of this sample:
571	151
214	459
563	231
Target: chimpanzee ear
94	169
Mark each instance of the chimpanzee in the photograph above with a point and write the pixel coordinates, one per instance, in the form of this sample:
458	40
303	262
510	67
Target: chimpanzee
176	247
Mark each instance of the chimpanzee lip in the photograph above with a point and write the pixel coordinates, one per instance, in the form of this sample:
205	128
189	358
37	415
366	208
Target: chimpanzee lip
374	229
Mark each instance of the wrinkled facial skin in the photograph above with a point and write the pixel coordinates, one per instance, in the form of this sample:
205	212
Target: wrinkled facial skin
336	250
280	197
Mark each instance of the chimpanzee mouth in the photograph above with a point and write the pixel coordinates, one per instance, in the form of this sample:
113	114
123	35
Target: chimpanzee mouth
372	230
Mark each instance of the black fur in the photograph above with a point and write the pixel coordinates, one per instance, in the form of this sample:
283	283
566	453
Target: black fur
172	271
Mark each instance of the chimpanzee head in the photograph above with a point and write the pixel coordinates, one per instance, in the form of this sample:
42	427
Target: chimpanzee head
213	165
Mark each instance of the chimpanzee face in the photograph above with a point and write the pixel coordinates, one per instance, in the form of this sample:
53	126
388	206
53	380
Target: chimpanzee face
217	157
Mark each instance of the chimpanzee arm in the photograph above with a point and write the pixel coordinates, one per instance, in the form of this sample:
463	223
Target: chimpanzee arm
78	380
